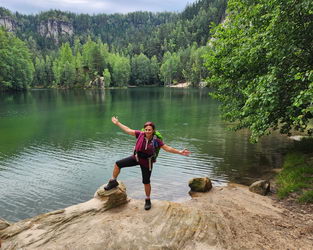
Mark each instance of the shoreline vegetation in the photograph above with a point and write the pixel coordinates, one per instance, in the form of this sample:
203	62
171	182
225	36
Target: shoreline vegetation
174	85
295	181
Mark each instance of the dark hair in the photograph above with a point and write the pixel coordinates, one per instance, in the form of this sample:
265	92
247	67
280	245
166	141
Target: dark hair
149	124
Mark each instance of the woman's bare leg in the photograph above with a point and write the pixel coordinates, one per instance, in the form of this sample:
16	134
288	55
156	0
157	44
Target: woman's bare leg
116	171
147	190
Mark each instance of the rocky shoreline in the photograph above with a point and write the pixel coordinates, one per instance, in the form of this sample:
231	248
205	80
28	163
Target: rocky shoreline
229	217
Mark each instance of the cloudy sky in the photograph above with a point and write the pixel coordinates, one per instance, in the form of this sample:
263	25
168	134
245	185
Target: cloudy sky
94	6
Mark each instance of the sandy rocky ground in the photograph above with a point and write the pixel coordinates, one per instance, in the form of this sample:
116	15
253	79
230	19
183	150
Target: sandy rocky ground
229	217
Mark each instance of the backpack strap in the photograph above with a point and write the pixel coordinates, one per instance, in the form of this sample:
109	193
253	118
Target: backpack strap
140	141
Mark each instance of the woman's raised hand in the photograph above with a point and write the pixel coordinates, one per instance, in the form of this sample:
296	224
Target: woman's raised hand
184	152
114	119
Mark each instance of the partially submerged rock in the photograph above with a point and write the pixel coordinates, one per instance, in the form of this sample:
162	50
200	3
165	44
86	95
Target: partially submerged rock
3	224
261	187
200	184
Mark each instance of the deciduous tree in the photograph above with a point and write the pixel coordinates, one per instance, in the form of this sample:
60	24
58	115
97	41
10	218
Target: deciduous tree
261	65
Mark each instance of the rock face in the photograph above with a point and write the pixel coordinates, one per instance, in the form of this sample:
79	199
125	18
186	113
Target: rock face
200	184
98	82
8	23
50	28
54	29
261	187
224	218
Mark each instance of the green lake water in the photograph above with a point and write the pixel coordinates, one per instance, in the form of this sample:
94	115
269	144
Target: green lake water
57	146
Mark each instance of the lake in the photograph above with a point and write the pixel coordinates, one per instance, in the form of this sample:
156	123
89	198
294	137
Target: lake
58	146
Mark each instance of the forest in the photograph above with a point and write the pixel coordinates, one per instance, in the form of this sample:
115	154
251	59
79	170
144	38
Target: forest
139	48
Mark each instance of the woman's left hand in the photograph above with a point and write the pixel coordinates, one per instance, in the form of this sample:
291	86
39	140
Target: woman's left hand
184	152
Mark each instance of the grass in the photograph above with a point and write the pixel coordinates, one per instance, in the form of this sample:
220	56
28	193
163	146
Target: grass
297	174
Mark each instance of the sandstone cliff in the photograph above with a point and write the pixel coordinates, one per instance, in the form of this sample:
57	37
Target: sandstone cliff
8	23
54	29
51	28
224	218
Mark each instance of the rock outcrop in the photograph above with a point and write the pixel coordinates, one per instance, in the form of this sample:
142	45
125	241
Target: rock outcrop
112	198
261	187
224	218
97	83
54	29
8	23
200	184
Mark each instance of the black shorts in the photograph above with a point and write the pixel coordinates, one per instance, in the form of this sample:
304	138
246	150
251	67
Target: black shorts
130	162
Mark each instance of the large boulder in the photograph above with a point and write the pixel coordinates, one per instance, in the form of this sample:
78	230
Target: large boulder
261	187
3	224
202	184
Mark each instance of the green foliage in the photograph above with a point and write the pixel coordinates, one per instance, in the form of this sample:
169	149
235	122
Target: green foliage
49	77
307	197
296	176
154	70
64	67
194	71
260	65
15	63
40	76
170	68
120	72
140	70
107	77
5	12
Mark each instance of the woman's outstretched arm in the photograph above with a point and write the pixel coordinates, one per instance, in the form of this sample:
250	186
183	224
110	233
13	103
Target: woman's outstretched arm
123	127
169	149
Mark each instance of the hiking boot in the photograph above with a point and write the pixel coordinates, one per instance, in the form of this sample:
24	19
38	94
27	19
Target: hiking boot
148	204
111	184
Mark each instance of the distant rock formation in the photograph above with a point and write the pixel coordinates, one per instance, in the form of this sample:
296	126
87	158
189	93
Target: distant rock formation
50	28
8	23
97	83
54	29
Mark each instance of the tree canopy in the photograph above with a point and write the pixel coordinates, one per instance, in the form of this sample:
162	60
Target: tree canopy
16	67
260	64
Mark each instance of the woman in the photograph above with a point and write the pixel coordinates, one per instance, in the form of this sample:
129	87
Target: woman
145	149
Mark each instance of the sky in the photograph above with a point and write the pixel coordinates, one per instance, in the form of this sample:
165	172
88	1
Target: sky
94	6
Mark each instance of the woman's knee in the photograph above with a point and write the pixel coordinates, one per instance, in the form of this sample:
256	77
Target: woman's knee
146	181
